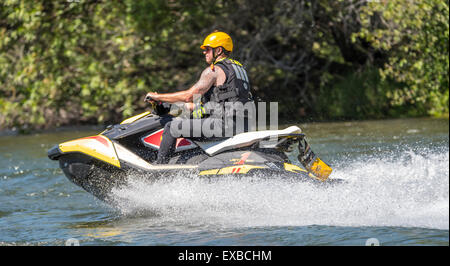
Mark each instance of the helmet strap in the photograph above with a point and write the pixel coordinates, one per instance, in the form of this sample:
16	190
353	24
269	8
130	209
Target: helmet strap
216	56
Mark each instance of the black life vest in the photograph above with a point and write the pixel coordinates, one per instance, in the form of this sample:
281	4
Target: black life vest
236	88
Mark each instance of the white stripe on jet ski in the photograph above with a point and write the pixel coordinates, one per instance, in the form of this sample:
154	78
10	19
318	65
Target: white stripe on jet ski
131	158
245	139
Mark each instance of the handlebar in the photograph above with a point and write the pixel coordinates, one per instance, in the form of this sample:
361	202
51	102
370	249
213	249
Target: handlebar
157	107
148	99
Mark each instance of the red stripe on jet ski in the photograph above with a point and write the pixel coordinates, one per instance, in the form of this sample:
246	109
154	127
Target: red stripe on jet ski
244	158
183	142
100	139
154	139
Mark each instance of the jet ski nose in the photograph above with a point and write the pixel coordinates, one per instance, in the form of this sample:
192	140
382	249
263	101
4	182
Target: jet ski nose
54	152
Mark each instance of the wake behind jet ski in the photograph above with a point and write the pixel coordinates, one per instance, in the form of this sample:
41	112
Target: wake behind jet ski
104	161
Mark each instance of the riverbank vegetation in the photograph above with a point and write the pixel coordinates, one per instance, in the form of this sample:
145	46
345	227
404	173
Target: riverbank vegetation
91	62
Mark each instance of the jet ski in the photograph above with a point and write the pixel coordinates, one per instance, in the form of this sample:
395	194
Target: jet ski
101	162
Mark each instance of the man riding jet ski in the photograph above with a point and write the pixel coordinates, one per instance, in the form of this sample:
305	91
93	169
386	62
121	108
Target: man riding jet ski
214	140
224	81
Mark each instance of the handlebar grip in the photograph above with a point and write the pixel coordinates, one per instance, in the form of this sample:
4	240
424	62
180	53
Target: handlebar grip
148	98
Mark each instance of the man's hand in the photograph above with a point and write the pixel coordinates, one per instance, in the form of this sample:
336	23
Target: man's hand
151	97
189	106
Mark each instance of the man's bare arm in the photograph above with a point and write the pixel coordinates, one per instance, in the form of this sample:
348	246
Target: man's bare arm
207	79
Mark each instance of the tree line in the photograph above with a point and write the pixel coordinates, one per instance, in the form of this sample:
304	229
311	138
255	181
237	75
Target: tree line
72	62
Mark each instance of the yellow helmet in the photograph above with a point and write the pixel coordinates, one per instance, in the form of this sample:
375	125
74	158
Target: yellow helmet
217	39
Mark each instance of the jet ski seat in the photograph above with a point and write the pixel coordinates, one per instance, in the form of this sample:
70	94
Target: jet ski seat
213	147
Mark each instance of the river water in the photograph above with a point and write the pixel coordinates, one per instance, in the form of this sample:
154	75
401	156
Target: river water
396	191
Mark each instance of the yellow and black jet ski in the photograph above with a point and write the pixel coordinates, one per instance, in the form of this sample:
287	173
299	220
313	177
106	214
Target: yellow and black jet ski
99	163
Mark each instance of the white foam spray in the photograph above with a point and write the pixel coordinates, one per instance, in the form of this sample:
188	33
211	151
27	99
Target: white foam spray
410	190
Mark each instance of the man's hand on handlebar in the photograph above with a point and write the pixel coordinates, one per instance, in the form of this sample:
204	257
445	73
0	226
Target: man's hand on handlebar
150	97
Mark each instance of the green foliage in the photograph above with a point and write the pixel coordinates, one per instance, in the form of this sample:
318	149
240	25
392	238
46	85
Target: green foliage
72	62
356	95
88	62
415	34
